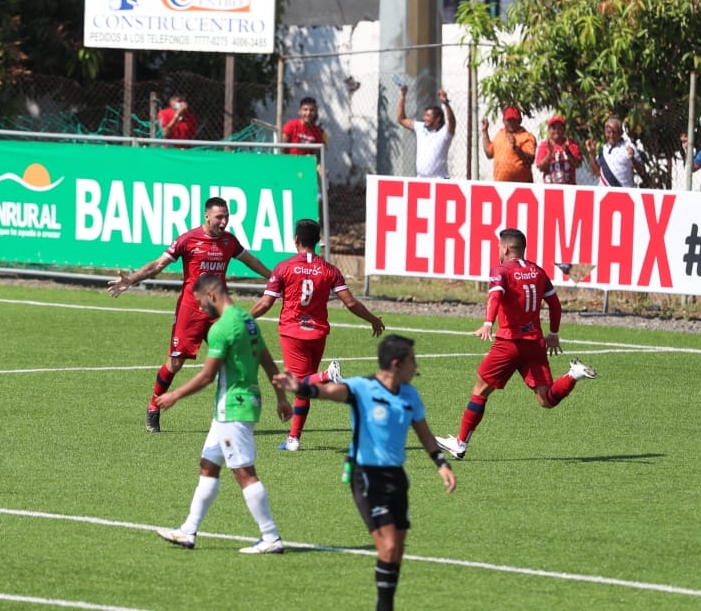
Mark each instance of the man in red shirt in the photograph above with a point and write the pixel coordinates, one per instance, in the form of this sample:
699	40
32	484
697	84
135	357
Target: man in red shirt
177	121
205	250
304	129
516	289
558	157
305	282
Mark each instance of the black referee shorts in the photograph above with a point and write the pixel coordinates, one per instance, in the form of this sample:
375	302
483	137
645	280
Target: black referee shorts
381	496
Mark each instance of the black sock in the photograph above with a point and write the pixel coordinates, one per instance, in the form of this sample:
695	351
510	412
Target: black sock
386	578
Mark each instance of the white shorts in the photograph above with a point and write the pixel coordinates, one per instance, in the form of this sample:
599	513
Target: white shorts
230	443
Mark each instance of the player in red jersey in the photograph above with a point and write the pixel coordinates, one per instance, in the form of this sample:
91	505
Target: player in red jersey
305	282
205	250
517	288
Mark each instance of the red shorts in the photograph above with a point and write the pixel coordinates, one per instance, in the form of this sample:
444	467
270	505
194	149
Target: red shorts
506	356
189	331
302	356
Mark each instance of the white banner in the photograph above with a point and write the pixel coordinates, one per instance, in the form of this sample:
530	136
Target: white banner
618	239
224	26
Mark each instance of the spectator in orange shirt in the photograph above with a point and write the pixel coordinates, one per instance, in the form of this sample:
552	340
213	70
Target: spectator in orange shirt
513	148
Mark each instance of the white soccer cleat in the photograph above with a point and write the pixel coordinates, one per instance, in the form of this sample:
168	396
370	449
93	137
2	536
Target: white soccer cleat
579	370
291	444
177	537
334	371
264	547
451	445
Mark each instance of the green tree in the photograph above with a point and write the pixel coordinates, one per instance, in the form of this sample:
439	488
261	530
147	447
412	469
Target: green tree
589	59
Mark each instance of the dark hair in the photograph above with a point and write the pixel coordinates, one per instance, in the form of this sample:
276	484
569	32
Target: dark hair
437	112
307	100
514	237
209	282
393	347
308	232
215	201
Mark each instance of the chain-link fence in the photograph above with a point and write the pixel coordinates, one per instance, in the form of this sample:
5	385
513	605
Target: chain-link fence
357	99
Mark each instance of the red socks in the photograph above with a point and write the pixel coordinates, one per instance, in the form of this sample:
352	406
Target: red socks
471	417
164	377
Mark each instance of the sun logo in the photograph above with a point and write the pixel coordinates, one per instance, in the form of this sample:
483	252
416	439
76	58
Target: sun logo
35	178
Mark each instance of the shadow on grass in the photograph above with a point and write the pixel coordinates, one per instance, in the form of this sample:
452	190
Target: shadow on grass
636	458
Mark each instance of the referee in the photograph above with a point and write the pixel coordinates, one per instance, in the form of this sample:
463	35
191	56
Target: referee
383	407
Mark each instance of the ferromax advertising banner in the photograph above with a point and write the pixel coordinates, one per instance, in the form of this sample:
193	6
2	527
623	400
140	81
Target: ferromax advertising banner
224	26
110	206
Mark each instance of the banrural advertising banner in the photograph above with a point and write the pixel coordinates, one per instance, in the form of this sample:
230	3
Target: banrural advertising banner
224	26
111	206
624	239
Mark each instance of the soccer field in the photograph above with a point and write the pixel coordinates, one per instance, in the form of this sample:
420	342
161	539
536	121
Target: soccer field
594	505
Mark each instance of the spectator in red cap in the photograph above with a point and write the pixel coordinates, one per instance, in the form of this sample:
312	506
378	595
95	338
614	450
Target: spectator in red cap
513	148
558	157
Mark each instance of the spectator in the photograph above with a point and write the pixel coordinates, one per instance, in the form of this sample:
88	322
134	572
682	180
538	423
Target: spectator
558	157
304	129
209	247
304	282
177	121
513	148
382	407
618	159
236	351
433	135
517	288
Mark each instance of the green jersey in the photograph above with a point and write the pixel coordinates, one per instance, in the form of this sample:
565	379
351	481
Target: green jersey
236	339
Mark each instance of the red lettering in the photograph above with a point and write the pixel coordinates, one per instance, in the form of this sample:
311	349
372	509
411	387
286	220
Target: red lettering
616	249
415	226
656	249
484	202
385	222
524	199
555	228
449	198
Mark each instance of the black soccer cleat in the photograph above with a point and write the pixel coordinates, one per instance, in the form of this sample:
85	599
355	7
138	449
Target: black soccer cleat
153	422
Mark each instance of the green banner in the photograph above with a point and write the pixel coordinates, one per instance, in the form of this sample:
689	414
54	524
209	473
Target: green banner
112	206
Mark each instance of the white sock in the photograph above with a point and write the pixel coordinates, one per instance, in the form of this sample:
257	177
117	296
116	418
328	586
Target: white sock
204	496
256	497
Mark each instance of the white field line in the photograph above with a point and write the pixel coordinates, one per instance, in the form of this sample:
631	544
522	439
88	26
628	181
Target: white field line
69	604
598	579
605	347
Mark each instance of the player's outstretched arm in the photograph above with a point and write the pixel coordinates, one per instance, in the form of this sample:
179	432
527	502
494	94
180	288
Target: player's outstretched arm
255	264
262	306
358	308
124	281
287	381
203	379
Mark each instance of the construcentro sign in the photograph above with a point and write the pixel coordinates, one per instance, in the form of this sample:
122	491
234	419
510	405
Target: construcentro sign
224	26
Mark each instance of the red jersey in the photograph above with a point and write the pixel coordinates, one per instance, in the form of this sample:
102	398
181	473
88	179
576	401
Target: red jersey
516	290
185	127
300	132
305	282
202	254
